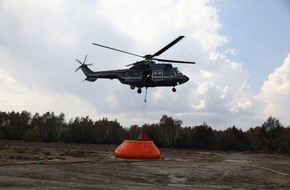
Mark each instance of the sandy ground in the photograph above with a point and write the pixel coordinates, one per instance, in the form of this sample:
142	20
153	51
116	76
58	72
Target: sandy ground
74	166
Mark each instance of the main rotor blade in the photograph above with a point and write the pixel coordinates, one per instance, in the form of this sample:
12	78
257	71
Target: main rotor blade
78	68
79	61
174	61
85	59
130	64
167	47
117	50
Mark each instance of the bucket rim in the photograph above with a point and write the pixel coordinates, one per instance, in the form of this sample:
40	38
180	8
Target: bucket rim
136	141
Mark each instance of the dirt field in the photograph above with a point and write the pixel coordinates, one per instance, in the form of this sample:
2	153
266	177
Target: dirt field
74	166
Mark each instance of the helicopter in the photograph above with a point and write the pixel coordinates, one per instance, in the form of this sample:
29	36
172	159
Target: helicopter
145	73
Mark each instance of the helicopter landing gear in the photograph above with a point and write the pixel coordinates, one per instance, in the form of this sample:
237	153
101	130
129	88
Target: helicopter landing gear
173	89
132	87
139	90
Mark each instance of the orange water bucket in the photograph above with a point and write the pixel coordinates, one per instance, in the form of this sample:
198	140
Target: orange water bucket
133	149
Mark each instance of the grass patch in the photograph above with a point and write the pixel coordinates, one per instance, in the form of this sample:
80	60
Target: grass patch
20	157
46	153
11	157
36	150
101	155
19	150
77	154
4	147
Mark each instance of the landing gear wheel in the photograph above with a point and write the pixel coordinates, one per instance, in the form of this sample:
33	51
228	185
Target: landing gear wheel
139	90
173	89
132	87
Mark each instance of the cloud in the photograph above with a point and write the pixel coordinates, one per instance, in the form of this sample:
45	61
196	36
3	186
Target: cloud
150	22
40	41
275	93
16	96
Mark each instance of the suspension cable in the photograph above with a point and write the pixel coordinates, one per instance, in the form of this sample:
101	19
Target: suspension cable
144	110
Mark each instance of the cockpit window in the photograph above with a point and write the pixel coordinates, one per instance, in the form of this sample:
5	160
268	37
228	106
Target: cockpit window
177	71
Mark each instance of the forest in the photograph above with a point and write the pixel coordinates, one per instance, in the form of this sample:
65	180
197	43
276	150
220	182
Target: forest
271	136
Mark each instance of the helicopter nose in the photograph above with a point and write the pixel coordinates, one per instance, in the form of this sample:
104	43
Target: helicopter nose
185	79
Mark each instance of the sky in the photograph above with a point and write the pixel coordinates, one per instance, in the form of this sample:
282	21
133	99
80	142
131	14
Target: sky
241	49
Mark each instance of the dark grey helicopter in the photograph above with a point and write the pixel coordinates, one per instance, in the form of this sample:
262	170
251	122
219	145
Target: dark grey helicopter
145	73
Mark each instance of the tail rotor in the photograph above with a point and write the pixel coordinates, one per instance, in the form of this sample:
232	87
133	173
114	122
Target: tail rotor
82	63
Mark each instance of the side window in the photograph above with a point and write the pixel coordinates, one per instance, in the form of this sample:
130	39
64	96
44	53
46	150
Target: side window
157	73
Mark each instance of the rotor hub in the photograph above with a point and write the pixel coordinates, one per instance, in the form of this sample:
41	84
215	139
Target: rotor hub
148	56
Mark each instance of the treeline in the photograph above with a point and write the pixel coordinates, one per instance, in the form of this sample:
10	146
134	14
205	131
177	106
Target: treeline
48	127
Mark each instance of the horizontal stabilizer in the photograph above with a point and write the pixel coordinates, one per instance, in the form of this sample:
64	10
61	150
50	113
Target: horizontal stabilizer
91	79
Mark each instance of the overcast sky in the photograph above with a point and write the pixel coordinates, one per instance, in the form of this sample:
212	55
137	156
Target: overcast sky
241	49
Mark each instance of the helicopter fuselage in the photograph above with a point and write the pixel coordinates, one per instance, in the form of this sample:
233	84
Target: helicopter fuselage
143	75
